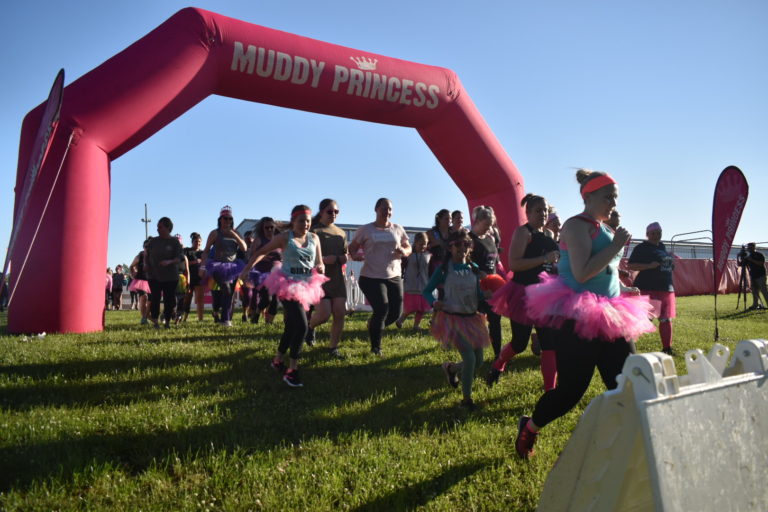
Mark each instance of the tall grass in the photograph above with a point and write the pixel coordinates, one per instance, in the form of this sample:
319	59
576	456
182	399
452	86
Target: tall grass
194	418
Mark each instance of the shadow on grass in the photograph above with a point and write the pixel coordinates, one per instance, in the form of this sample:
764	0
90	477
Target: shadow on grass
252	408
421	493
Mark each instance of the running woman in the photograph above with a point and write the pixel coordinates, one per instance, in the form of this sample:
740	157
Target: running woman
333	244
384	245
591	320
297	282
195	286
224	266
531	252
485	254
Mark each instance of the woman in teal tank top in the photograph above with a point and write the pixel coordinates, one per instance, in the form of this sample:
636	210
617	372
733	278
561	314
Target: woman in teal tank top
582	311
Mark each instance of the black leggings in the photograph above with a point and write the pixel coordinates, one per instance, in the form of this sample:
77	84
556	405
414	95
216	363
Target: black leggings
262	300
521	333
386	299
295	328
226	289
168	290
576	362
494	326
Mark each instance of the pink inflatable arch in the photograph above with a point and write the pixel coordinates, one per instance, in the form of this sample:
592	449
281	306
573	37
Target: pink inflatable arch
195	53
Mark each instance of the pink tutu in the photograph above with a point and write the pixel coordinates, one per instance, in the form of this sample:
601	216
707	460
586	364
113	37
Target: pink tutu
552	302
415	302
224	271
510	301
306	293
450	330
139	285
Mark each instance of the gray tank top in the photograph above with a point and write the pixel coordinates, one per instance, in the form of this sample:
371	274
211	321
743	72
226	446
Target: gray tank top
461	291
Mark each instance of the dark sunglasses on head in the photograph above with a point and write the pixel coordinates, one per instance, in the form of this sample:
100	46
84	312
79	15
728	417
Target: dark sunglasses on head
332	211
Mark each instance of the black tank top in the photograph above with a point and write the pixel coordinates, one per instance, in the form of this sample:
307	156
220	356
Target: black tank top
539	245
484	253
140	274
225	248
266	263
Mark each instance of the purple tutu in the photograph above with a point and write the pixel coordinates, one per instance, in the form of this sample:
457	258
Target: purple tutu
510	301
256	279
224	271
450	330
552	302
138	285
305	292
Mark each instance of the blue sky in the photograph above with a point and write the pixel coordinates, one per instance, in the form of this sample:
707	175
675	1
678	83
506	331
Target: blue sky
663	95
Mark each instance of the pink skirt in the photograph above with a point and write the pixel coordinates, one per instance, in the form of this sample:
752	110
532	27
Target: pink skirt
415	302
510	301
551	303
663	303
450	330
138	285
305	292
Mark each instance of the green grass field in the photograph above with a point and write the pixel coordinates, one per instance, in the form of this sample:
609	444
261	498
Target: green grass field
195	419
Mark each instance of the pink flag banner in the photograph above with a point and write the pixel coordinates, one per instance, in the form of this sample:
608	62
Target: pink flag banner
730	198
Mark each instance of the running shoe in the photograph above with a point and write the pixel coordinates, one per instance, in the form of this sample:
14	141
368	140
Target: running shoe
525	439
669	351
291	378
335	354
492	377
468	405
377	352
450	374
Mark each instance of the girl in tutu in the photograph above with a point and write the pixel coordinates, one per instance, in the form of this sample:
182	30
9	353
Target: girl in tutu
297	282
225	265
140	284
456	322
416	277
531	252
591	320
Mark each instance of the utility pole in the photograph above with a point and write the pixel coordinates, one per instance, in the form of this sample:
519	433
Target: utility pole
146	220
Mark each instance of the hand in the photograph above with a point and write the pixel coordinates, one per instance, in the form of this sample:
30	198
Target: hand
551	257
358	256
654	264
621	237
398	252
320	268
632	290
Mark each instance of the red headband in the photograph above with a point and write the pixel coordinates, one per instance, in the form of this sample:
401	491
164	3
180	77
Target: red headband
596	183
299	212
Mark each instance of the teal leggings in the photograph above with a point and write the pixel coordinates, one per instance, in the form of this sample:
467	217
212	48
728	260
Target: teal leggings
471	359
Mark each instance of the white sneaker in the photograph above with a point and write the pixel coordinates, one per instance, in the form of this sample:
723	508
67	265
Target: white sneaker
228	323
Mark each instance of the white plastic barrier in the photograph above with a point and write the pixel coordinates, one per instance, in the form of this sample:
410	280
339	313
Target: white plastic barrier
664	442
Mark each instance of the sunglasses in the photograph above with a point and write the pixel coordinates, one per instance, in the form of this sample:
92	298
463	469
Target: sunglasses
332	212
466	244
227	218
270	228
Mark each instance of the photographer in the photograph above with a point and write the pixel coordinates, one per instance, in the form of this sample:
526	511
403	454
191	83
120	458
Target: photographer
755	262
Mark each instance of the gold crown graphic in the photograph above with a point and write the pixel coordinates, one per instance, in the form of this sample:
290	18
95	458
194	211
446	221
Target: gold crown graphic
365	63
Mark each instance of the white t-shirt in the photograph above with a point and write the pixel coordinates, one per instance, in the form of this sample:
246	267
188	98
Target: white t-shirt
379	245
